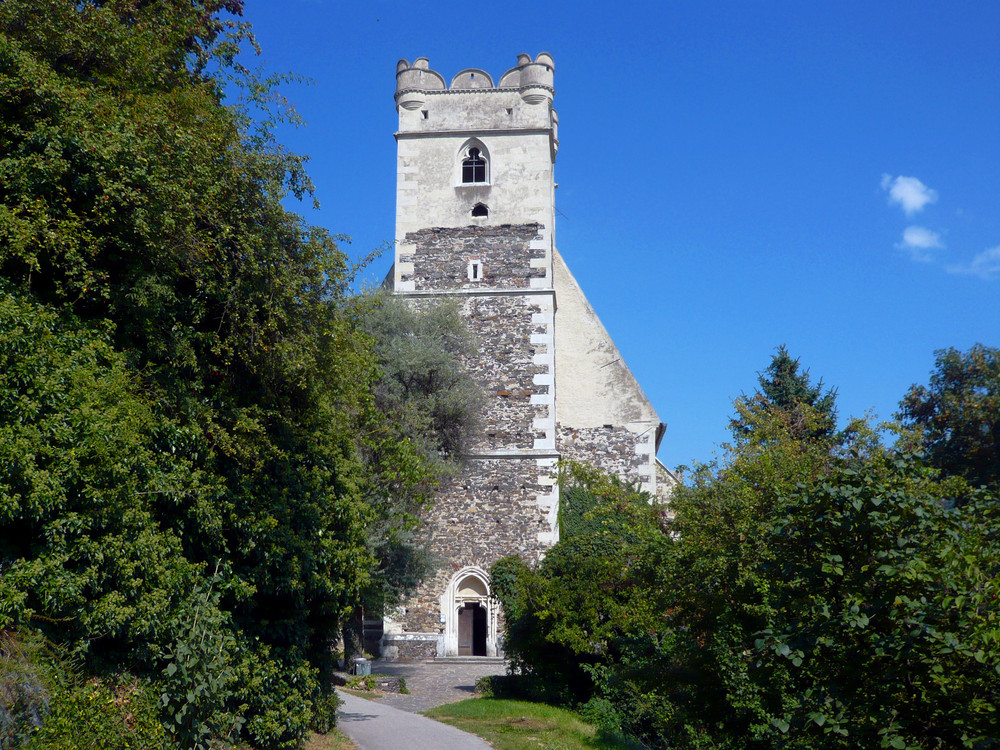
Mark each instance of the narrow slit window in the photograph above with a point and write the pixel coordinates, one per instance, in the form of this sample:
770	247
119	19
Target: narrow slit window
475	270
480	210
474	167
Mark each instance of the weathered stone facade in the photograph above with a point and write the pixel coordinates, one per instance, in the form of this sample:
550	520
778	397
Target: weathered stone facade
488	512
441	257
506	369
474	222
619	450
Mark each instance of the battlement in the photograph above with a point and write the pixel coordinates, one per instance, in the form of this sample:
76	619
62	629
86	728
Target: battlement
531	79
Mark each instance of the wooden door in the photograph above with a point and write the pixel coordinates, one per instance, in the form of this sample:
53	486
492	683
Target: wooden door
465	630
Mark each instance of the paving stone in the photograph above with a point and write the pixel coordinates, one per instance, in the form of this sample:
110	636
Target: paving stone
434	683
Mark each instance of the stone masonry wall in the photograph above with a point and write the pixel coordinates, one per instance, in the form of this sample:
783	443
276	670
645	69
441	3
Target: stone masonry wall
496	505
611	449
504	369
441	256
486	513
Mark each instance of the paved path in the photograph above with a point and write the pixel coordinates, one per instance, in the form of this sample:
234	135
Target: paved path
375	726
436	682
392	722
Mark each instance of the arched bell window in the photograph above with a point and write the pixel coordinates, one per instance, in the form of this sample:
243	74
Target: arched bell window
474	167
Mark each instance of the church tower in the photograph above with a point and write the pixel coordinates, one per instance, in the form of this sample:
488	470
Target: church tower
475	223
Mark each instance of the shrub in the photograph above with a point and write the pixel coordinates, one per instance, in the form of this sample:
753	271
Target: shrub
115	714
44	705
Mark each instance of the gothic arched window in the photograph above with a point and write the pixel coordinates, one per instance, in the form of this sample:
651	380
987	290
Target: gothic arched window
474	167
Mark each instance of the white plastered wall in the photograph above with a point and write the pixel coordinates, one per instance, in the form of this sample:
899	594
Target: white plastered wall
519	140
595	386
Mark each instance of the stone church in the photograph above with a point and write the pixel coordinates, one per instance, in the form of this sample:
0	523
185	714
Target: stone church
475	222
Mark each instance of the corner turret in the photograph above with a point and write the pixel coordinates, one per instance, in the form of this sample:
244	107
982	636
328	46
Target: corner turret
533	80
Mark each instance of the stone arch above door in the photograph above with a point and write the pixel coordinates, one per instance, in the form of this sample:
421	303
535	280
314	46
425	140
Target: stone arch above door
468	587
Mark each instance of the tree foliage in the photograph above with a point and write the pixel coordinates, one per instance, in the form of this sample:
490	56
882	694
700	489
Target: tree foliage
808	411
805	593
956	418
423	383
184	388
594	601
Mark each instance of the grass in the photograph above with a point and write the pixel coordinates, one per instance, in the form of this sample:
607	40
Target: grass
518	725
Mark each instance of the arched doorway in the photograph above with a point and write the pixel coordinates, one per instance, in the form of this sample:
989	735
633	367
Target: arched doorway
469	615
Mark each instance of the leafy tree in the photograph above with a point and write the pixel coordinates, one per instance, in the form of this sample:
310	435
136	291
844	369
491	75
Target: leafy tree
885	626
423	383
823	592
809	594
82	548
594	602
956	418
430	407
184	386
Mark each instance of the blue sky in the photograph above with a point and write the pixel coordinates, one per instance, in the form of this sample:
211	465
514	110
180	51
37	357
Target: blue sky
732	176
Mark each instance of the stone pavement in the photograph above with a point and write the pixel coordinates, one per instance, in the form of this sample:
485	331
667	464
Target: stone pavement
431	683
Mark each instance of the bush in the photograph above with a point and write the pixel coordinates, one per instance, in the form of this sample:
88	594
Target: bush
325	712
198	679
44	705
116	714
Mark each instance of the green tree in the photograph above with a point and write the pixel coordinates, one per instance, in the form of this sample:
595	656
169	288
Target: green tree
197	328
429	407
582	624
956	418
807	594
808	410
423	383
83	551
885	627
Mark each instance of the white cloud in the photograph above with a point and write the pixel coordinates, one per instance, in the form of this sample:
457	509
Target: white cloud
986	265
908	192
919	241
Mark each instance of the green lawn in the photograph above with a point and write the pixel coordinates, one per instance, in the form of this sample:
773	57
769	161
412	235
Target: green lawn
517	725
